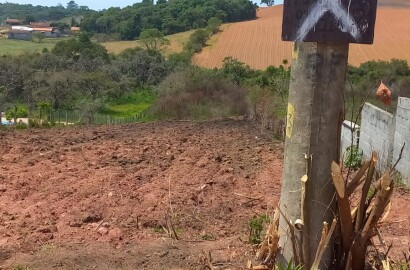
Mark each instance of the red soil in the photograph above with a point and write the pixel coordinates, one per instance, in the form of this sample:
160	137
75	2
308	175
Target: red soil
96	197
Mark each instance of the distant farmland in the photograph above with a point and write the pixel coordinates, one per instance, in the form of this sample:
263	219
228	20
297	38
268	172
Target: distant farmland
18	47
258	42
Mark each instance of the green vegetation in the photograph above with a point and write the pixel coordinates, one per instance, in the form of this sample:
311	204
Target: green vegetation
35	13
269	3
256	227
78	74
364	80
131	104
153	40
169	17
18	47
353	157
289	266
399	182
20	267
38	36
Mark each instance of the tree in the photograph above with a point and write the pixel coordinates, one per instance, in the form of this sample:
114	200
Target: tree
72	5
269	3
82	48
73	22
235	70
29	19
39	36
213	24
153	40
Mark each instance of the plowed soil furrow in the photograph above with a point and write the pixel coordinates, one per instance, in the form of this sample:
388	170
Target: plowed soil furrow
103	197
258	42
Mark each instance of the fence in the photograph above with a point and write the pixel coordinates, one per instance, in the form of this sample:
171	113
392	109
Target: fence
384	133
73	117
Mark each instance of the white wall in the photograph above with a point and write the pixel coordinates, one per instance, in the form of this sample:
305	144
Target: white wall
377	134
401	137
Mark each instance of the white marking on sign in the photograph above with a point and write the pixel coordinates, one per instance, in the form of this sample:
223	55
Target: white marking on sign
345	21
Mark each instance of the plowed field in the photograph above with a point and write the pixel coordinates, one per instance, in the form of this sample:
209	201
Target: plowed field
98	197
258	42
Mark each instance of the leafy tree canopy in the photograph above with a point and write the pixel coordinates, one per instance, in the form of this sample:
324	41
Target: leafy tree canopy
153	40
167	16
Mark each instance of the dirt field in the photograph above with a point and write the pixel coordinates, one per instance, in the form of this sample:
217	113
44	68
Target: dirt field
258	42
97	197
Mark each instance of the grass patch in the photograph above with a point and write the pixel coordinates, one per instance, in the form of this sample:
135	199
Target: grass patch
18	47
131	104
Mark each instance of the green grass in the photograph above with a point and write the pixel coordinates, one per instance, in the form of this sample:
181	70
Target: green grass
18	47
130	105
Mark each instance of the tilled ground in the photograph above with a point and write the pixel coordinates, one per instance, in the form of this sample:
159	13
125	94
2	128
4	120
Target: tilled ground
101	197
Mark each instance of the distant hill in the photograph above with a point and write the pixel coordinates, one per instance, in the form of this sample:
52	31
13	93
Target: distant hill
35	13
258	42
394	3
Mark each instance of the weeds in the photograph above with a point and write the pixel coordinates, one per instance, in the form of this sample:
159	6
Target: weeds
256	226
289	266
399	182
354	156
20	267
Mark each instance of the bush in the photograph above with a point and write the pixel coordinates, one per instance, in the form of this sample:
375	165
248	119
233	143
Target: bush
180	59
197	40
199	94
214	24
20	125
34	123
18	111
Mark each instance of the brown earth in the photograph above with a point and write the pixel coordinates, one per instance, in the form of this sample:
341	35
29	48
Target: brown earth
258	42
97	197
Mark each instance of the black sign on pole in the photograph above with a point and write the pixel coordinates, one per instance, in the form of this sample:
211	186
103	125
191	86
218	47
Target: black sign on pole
342	21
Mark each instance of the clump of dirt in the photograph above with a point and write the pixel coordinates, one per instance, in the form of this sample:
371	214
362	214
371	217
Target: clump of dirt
103	197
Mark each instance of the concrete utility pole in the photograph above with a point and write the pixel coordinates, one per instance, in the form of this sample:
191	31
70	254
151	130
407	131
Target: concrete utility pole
322	30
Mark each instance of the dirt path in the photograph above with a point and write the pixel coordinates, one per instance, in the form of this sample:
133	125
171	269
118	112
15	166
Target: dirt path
97	197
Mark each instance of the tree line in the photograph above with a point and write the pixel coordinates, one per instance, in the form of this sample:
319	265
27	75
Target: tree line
30	13
167	16
78	74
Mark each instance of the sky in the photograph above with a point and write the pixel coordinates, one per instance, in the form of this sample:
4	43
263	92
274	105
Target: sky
93	4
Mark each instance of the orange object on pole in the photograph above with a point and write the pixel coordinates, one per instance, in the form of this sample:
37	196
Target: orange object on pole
384	93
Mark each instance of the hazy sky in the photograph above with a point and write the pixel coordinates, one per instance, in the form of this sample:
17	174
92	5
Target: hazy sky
93	4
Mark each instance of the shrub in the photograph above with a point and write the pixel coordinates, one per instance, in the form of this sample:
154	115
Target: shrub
197	40
198	94
20	125
34	123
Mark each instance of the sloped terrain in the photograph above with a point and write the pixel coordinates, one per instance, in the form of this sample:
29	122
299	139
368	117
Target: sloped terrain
258	42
